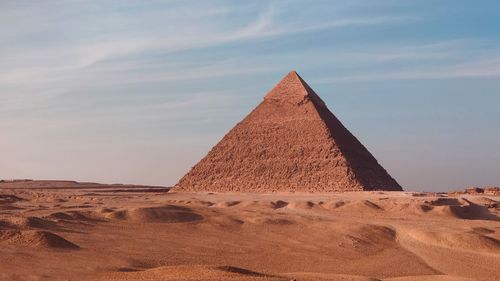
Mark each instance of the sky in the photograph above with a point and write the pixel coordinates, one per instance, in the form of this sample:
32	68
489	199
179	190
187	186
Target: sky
139	91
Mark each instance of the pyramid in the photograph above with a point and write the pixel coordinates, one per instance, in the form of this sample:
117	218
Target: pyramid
290	142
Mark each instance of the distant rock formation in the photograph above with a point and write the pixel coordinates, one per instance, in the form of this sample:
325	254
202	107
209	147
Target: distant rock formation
474	190
492	190
488	190
291	142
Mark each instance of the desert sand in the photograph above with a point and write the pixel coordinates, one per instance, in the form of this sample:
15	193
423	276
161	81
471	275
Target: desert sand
70	231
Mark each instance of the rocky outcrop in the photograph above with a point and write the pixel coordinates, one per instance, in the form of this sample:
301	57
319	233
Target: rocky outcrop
492	190
474	190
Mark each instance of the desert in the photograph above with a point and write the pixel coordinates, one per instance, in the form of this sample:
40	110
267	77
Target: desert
287	194
53	230
216	140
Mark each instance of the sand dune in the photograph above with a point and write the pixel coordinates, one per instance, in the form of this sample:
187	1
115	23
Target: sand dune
80	216
469	211
34	238
168	214
465	241
195	273
30	222
100	233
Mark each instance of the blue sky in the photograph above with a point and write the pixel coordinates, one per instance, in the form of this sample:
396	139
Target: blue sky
139	91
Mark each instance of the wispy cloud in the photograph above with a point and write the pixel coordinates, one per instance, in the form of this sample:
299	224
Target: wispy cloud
265	27
57	60
450	66
474	70
76	71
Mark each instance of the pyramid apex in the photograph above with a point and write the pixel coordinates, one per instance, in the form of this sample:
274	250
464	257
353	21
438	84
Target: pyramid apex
293	75
292	88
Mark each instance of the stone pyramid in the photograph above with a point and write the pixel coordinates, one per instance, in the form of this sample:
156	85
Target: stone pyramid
290	142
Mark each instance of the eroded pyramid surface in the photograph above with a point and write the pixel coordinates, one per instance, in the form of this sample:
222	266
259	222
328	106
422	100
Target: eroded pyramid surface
290	142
